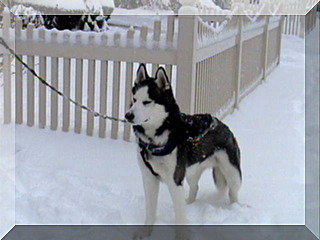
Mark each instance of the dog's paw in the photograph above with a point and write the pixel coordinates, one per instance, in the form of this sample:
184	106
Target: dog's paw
240	205
142	232
243	205
190	200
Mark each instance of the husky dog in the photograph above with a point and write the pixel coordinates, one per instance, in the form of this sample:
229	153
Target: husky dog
173	146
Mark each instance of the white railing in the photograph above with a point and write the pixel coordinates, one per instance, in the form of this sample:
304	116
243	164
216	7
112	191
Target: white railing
232	61
212	63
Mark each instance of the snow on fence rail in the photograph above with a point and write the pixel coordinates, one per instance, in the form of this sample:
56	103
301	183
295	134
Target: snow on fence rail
211	68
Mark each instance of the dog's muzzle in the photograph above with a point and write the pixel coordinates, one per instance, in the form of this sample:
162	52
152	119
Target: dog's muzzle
129	116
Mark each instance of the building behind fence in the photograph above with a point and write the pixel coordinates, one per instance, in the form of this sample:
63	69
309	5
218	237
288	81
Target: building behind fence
213	63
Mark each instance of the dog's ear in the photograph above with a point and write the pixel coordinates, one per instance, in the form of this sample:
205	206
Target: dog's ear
161	79
142	74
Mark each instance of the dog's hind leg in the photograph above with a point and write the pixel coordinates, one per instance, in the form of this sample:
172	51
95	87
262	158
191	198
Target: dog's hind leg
231	174
193	179
219	180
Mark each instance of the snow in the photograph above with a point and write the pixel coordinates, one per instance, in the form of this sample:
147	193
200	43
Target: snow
94	5
67	178
7	170
22	10
143	11
7	178
107	3
206	3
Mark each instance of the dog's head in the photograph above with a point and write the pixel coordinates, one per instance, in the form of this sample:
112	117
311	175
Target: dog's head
152	98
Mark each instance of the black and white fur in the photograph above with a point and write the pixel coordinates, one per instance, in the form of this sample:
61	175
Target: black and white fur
158	122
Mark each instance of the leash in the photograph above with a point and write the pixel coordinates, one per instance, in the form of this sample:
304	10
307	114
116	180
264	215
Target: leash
44	82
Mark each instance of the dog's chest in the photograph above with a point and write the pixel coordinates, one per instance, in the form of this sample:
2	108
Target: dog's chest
164	166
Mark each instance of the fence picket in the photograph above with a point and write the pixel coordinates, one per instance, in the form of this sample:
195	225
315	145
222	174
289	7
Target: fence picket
6	71
66	90
54	83
129	78
79	90
156	39
196	95
42	87
30	82
18	79
103	97
212	85
115	99
169	39
115	92
201	87
143	35
91	91
205	85
239	62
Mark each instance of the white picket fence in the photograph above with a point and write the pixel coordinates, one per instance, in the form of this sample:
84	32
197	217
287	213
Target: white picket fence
213	62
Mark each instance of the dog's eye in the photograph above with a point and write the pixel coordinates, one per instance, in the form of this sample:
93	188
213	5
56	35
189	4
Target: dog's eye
146	102
134	100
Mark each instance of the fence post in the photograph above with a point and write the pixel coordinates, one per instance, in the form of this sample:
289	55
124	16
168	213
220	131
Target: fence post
280	38
266	47
6	69
186	65
239	62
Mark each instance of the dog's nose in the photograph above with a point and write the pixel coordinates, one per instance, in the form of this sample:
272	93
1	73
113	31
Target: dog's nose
129	116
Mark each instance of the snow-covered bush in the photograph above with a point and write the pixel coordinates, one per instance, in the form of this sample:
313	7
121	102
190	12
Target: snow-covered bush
96	23
224	4
28	15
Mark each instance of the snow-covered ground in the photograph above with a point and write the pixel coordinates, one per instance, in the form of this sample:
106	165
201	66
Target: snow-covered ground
66	178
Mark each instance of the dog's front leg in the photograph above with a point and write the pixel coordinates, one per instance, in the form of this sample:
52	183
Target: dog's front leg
179	205
151	192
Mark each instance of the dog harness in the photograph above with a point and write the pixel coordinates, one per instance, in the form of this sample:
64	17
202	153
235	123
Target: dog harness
198	127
